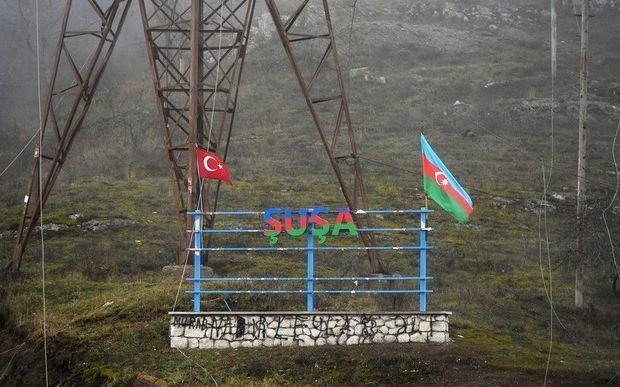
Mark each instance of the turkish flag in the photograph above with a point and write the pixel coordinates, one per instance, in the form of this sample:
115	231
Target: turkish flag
211	167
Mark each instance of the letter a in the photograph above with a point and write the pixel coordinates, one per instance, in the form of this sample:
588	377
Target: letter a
344	220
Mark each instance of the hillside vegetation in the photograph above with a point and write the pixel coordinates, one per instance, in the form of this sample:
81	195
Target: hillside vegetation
474	74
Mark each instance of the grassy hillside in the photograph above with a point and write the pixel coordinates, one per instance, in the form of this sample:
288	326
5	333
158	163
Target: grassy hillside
107	298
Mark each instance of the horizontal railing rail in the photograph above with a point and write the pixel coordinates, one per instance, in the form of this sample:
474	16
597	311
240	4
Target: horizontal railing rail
223	279
310	248
381	229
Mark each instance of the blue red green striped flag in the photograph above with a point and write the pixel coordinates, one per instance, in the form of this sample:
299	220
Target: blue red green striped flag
442	187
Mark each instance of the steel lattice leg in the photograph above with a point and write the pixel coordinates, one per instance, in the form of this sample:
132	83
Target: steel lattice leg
184	48
74	80
314	83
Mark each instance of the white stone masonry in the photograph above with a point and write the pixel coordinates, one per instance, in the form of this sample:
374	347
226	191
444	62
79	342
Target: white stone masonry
232	330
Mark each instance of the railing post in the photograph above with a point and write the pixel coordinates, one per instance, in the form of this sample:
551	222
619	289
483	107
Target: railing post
197	256
309	269
423	260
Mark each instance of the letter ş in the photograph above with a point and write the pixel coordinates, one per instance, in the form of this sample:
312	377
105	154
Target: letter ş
277	226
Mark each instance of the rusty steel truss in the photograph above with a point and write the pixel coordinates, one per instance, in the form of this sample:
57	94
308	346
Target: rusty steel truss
69	96
196	51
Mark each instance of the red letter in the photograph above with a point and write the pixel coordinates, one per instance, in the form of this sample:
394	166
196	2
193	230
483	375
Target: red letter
276	224
288	222
344	215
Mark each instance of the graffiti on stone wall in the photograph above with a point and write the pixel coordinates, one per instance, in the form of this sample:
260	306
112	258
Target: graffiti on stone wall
255	330
290	327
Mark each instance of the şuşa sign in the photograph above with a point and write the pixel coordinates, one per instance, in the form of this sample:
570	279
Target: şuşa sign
320	226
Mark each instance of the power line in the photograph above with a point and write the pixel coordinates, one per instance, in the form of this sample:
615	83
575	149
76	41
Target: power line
40	132
469	188
20	152
34	135
542	217
539	158
611	202
217	73
200	366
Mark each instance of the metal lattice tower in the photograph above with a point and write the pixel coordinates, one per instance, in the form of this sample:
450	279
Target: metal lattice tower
196	52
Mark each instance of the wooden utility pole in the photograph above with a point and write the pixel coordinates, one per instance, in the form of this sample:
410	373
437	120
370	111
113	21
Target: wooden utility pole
554	45
582	157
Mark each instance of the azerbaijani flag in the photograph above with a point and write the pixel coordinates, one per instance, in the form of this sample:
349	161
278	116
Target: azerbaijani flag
442	187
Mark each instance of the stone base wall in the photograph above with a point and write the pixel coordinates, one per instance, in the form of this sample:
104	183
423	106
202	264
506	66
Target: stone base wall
257	329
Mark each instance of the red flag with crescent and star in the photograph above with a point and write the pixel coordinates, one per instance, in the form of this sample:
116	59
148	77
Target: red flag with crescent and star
211	167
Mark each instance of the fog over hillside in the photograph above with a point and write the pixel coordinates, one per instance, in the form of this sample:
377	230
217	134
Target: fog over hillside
474	74
486	54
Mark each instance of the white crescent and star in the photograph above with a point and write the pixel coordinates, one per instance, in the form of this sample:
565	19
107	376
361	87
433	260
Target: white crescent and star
441	179
205	162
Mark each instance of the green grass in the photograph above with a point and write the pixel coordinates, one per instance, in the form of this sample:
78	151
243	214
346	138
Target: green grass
108	301
111	306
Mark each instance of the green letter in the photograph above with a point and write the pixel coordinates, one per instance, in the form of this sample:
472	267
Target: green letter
344	216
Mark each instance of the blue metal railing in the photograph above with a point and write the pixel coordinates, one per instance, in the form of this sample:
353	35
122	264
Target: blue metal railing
309	249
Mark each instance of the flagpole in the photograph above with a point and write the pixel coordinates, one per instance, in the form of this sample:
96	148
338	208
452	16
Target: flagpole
425	195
